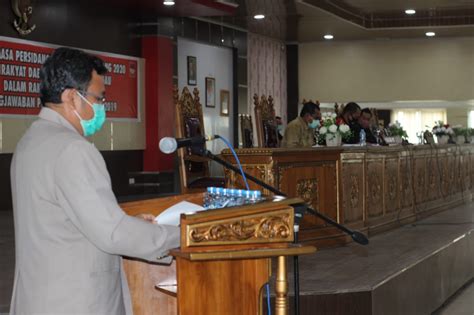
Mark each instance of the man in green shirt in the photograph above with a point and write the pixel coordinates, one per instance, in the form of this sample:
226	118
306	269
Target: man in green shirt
300	132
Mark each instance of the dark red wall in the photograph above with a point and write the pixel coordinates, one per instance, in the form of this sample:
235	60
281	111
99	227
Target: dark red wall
160	113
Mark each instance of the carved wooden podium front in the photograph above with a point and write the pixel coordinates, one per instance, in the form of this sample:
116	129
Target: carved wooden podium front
223	262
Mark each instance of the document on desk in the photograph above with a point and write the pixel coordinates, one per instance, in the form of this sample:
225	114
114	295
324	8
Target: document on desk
171	215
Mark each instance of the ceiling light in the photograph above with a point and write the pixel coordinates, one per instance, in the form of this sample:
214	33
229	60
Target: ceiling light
410	11
168	2
430	34
259	16
328	36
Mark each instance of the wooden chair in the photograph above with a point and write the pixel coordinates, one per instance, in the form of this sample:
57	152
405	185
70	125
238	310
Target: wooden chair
265	123
246	129
338	109
193	168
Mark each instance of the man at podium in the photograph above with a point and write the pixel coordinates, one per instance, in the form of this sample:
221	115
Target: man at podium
70	232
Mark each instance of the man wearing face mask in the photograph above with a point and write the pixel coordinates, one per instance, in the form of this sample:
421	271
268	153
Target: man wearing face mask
280	127
350	115
300	132
70	232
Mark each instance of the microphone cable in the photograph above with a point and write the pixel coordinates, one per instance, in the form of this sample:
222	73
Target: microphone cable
236	158
267	285
269	309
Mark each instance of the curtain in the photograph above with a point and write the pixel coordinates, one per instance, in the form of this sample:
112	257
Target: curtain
266	73
470	121
415	121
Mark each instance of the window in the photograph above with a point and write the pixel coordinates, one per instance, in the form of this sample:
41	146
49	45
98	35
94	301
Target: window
417	120
470	119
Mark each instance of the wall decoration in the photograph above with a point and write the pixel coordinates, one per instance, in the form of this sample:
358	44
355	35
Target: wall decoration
225	102
23	11
192	70
210	92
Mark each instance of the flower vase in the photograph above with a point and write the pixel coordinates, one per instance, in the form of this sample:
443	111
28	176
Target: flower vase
443	139
333	140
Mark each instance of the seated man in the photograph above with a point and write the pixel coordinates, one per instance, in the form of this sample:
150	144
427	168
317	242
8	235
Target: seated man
350	114
300	131
280	127
364	122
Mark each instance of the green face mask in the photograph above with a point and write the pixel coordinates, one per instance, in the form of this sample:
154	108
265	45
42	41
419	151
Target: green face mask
91	126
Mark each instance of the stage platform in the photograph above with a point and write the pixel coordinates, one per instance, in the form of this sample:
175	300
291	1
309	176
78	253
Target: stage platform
411	270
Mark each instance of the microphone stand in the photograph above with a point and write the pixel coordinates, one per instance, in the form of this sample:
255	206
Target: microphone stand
358	237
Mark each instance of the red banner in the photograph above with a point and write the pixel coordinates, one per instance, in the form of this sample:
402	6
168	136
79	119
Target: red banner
20	63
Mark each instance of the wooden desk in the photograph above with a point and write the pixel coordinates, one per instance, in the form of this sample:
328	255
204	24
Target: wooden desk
372	189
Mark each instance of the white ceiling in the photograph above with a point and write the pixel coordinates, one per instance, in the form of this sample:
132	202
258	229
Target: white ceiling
314	23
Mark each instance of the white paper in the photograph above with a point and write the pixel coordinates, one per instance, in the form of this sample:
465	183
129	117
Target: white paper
171	215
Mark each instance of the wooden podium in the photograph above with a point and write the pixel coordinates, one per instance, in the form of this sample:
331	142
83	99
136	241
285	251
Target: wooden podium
223	262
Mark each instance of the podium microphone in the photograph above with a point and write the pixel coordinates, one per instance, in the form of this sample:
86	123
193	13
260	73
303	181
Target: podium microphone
169	144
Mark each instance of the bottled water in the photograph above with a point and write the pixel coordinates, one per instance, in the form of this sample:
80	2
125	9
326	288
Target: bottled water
362	137
217	197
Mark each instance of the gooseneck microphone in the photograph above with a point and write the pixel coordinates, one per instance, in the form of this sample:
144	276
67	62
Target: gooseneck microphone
169	144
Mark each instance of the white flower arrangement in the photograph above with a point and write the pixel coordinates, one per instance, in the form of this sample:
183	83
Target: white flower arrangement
331	126
441	129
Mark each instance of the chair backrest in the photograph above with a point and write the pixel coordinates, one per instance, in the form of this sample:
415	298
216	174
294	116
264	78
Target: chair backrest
338	109
246	129
265	123
190	123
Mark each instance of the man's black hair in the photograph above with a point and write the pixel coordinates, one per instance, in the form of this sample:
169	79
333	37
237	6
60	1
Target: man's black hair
366	111
309	108
67	68
351	108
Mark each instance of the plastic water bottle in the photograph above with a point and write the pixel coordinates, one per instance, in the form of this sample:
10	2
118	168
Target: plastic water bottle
217	197
362	137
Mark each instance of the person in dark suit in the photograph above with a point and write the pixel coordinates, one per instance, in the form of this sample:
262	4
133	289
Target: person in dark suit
279	125
350	115
364	122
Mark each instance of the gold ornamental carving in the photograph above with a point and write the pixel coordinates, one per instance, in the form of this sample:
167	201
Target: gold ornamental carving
307	189
392	187
189	106
265	107
268	227
406	183
354	192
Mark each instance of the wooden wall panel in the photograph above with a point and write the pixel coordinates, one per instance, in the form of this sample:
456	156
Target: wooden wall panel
391	184
433	179
353	191
374	194
406	183
371	188
420	172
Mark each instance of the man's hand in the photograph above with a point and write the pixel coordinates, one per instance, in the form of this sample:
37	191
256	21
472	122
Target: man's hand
147	217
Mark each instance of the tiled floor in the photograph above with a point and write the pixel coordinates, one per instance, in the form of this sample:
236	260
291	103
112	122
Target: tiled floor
462	303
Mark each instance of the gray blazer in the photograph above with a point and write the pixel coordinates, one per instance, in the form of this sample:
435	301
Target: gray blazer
70	232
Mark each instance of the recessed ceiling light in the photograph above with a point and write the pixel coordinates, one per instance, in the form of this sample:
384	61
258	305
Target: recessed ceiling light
430	34
166	2
410	11
259	16
328	36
